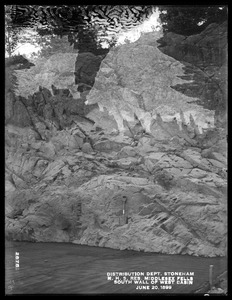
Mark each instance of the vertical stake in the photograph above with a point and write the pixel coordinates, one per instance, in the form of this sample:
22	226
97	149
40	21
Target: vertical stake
211	276
124	200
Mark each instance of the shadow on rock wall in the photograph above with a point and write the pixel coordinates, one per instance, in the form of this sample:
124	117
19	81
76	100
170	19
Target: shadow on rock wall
58	106
205	58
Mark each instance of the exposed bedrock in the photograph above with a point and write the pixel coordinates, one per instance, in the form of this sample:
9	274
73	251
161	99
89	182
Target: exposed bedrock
140	166
150	197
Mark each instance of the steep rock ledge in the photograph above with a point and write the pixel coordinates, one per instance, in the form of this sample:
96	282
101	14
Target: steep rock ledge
146	197
117	175
205	57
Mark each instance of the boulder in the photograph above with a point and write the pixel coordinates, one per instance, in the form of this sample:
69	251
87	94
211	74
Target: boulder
86	148
48	149
127	151
126	163
64	139
102	119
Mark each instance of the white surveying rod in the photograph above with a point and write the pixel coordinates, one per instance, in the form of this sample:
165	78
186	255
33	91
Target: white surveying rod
211	276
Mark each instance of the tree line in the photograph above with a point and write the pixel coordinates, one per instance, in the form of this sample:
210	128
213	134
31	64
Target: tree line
83	36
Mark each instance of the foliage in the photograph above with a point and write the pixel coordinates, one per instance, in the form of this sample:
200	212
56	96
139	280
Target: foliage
190	20
87	41
61	21
53	44
85	33
11	33
16	36
85	25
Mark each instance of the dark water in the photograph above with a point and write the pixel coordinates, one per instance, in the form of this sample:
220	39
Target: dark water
60	268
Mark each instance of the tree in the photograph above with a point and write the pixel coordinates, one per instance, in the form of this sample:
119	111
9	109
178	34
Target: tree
16	36
11	33
54	44
86	40
71	21
190	20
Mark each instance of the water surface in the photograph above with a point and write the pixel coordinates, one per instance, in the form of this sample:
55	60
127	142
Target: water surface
62	268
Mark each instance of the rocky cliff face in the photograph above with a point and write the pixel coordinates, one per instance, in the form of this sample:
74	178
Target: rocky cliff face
205	57
160	185
136	80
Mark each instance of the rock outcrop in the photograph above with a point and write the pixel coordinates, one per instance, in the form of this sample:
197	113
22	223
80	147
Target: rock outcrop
44	96
123	177
156	196
58	70
205	59
136	80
